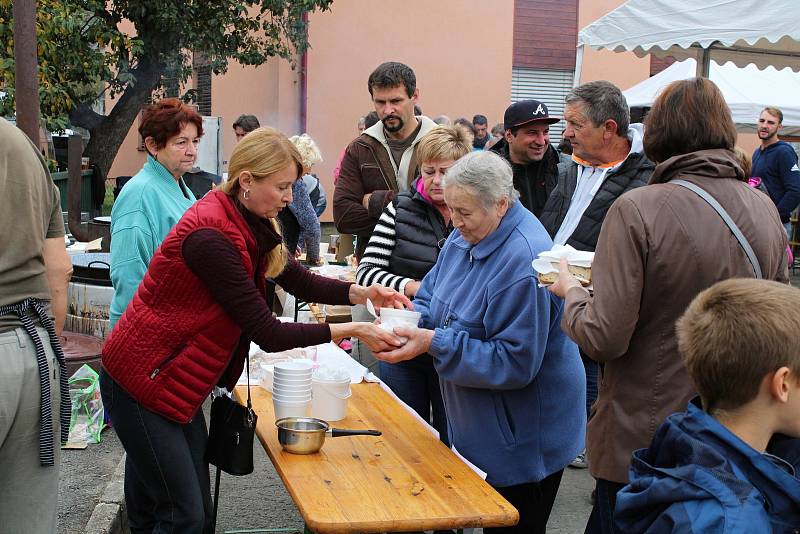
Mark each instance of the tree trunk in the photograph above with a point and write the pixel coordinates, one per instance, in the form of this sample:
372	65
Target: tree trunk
108	135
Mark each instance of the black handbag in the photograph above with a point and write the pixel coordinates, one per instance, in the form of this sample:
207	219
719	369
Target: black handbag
231	433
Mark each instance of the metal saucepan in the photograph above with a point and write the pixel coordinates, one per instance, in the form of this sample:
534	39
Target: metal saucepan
305	435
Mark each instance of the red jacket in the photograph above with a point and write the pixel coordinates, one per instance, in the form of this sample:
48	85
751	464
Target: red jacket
174	342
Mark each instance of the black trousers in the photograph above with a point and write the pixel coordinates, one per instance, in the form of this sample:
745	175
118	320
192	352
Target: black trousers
534	502
167	483
601	520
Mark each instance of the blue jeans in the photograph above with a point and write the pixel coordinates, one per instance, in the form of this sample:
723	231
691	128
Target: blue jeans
416	383
167	484
601	520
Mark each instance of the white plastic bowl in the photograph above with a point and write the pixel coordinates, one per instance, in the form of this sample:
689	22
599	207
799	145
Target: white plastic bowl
399	316
290	409
290	390
292	398
298	366
291	381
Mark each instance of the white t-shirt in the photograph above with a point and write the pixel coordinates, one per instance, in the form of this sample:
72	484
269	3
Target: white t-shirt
589	181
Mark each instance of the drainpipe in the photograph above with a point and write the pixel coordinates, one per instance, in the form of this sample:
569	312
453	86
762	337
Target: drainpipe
25	68
74	184
304	83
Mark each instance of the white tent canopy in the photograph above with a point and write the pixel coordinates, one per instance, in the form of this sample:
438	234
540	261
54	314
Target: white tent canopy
762	32
746	90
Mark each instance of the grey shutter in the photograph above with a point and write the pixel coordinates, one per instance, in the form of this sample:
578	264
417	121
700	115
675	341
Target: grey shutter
548	86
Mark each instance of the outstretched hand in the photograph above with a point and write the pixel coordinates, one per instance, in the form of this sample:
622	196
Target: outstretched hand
377	339
381	297
419	341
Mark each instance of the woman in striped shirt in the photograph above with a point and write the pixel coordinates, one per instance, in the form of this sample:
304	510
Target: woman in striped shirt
403	248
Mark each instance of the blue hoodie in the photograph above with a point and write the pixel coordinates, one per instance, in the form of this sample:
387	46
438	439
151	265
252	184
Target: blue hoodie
697	476
513	384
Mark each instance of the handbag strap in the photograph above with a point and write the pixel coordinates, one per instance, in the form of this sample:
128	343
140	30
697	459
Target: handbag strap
247	366
705	195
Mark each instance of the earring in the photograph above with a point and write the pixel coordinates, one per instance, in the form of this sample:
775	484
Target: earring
246	194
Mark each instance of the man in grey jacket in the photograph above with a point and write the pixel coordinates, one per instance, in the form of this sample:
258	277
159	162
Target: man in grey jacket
607	160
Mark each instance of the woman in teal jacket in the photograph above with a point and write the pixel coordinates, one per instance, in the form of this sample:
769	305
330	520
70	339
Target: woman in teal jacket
155	199
512	382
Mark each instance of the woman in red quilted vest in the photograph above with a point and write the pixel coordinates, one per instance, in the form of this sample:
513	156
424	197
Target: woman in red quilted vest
191	322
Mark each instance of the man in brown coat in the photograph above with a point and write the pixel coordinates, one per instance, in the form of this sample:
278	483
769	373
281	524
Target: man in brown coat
381	161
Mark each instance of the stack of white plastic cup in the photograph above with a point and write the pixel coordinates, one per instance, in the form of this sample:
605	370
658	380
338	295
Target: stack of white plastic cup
291	388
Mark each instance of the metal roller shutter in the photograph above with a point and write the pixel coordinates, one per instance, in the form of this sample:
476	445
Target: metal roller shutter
548	86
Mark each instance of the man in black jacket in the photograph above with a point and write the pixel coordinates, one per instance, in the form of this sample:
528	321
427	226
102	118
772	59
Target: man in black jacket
607	160
526	146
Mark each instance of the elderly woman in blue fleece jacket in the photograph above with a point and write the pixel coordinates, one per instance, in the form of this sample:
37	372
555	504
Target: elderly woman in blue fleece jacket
512	381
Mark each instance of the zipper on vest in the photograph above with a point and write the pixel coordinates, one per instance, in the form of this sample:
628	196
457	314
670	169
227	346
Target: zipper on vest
163	364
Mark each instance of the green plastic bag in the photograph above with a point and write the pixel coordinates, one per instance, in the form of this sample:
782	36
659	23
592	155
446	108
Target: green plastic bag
88	417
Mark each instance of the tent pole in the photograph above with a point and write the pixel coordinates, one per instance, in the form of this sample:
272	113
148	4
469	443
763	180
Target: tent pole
576	80
704	62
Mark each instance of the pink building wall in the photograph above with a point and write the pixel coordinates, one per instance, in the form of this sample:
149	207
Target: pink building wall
455	77
437	39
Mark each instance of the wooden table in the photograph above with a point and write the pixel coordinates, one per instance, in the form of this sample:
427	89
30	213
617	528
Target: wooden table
405	480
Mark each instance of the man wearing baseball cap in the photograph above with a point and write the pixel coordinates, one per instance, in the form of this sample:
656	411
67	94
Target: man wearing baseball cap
526	146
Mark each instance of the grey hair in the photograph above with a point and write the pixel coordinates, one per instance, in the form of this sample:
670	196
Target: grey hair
486	175
603	100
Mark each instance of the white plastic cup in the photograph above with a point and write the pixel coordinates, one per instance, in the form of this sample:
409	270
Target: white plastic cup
329	399
391	317
290	409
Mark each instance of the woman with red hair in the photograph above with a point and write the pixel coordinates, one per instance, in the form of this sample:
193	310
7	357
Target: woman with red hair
155	198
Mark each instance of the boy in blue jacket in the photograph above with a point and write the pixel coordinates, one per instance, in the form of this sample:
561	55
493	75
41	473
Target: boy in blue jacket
711	469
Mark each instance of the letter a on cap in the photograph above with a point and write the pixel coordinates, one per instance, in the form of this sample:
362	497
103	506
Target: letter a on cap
539	110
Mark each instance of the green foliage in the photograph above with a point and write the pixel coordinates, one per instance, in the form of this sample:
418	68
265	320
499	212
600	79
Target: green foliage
84	52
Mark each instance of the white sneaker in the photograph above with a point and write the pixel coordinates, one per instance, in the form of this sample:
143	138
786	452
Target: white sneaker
580	461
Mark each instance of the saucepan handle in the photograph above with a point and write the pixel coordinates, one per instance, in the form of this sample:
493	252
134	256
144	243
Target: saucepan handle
336	432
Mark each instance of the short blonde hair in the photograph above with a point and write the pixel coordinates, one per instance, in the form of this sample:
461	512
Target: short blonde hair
308	149
263	152
443	143
735	333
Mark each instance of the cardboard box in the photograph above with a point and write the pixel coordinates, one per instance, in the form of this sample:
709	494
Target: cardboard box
337	314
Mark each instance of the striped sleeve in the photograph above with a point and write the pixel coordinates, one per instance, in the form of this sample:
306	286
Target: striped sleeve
374	264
